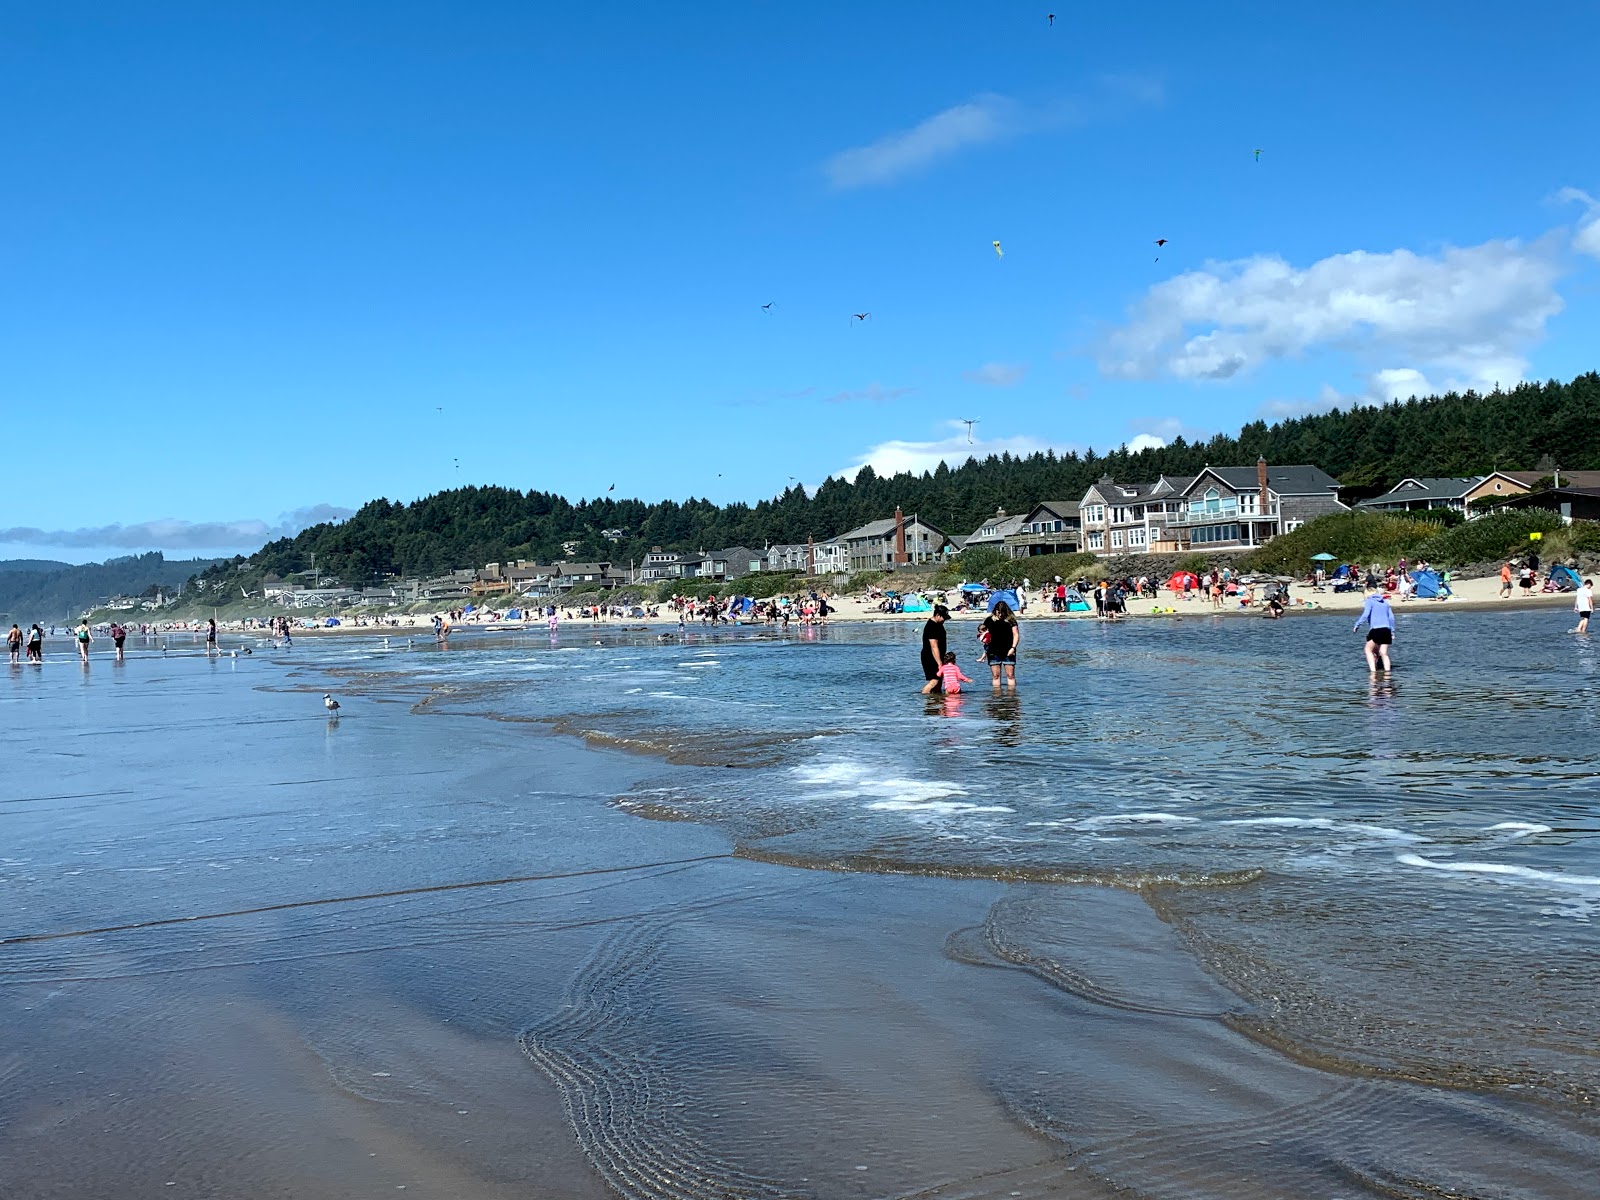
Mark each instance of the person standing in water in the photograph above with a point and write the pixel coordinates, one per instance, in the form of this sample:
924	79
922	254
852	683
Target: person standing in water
1583	606
211	637
118	636
1001	637
36	644
84	637
1378	617
933	644
14	643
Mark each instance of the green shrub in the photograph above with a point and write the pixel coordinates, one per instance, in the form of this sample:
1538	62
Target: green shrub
861	581
1584	537
1353	536
1497	536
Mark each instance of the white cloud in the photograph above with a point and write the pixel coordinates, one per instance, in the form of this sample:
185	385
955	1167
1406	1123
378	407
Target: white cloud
1145	441
172	534
1586	240
986	118
873	393
997	374
1468	314
1162	431
893	457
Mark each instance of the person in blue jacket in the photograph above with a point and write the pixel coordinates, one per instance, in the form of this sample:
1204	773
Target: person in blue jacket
1378	617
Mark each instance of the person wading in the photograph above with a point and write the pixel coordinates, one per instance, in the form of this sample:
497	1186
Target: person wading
933	643
1001	636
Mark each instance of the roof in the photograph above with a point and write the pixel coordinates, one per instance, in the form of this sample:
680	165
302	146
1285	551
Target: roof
1003	527
1296	480
1425	488
878	528
1061	508
1532	499
1576	479
1115	492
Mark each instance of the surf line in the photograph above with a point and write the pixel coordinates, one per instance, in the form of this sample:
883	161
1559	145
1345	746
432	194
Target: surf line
424	890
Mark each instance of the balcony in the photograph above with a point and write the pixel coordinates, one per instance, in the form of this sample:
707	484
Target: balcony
1222	512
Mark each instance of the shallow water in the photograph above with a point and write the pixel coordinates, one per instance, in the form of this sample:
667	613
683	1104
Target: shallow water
245	949
1401	874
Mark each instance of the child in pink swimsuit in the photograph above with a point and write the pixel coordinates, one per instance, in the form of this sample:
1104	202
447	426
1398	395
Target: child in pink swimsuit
949	677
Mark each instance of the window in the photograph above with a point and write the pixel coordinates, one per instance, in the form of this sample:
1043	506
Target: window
1116	539
1249	503
1119	516
1291	526
1095	513
1136	536
1216	533
1097	540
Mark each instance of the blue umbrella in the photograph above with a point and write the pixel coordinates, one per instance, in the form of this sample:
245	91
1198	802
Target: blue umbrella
973	587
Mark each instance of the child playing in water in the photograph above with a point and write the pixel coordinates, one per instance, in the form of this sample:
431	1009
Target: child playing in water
949	677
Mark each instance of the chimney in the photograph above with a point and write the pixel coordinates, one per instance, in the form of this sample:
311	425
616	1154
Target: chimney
1261	481
899	536
811	556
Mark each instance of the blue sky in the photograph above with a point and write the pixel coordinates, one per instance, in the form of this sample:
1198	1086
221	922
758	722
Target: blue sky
252	250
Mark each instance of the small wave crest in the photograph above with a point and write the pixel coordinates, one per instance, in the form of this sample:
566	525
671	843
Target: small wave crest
1504	870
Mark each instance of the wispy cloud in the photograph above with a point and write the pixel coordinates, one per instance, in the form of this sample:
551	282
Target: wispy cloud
1152	433
173	534
893	457
873	393
997	374
1468	313
1586	240
986	118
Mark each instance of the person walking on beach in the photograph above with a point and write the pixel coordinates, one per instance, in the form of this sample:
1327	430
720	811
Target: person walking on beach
14	643
1505	582
949	679
1378	617
1001	636
84	637
36	644
211	637
934	637
118	636
1583	606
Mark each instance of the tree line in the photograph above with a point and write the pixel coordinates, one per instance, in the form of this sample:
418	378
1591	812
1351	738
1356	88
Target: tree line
1530	427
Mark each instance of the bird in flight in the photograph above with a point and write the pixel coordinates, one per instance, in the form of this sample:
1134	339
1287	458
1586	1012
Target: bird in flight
768	307
861	316
969	425
1051	17
1258	155
329	703
998	253
1160	242
612	488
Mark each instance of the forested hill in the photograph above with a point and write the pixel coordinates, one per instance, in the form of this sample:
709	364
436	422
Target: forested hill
58	591
1456	434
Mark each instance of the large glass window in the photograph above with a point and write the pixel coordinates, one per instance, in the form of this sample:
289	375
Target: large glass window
1116	539
1097	540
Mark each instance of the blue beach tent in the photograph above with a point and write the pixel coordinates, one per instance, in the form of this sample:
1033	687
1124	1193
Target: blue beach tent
1428	583
1006	594
1565	578
513	614
915	603
1075	601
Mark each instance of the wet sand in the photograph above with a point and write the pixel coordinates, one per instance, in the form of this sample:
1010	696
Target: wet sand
426	953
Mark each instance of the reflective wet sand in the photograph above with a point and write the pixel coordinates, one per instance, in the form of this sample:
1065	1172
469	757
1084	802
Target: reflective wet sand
249	951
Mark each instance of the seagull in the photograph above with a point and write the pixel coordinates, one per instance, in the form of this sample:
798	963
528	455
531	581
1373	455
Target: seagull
329	703
861	316
768	306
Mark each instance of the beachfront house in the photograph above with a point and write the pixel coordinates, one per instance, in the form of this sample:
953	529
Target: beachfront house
992	534
790	556
1422	493
832	557
1050	527
1131	518
569	576
897	540
1234	508
732	563
1573	503
659	564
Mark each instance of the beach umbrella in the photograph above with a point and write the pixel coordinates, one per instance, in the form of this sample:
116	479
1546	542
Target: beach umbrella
1324	557
973	587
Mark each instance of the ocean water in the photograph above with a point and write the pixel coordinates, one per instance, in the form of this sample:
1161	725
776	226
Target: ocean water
1399	875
